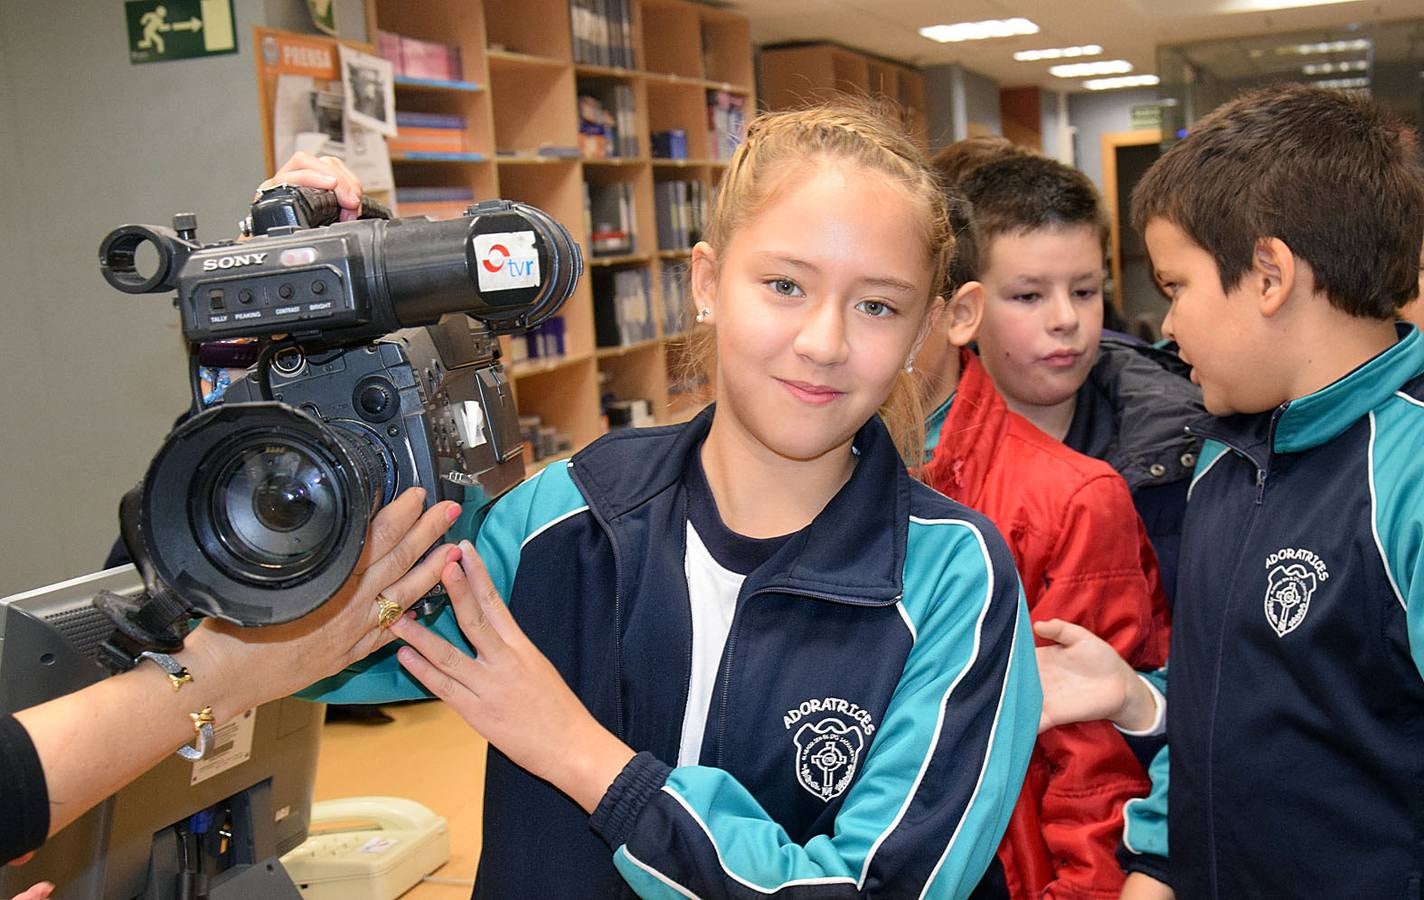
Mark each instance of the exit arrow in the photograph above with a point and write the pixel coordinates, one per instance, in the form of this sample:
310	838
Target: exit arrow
193	24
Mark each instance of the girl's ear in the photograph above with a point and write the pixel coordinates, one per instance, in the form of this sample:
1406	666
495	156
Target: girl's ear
704	277
966	311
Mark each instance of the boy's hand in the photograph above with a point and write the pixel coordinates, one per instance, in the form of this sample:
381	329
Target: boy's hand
1145	887
1084	679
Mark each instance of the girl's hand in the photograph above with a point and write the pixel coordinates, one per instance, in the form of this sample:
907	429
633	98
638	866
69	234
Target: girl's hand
509	692
324	173
1144	887
346	627
1084	679
41	891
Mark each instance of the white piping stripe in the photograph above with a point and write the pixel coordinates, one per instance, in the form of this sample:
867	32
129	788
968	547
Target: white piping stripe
733	875
1199	475
905	614
1374	518
1125	842
1403	396
658	875
988	755
944	701
547	525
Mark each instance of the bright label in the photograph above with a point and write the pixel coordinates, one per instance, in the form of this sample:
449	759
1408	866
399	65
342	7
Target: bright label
506	261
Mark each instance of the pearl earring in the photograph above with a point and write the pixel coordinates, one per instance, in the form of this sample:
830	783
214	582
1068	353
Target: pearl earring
703	315
910	364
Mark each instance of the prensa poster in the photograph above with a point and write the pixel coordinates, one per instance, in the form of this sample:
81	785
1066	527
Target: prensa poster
370	90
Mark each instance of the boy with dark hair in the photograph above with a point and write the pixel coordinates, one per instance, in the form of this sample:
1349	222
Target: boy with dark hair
1286	230
1082	556
1042	239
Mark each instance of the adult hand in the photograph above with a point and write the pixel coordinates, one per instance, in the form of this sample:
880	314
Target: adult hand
509	692
40	891
1084	679
345	629
1144	887
322	172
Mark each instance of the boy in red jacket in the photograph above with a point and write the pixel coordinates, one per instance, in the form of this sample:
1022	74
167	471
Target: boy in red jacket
1082	555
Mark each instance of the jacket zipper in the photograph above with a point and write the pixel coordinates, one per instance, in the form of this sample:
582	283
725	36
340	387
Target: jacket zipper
730	648
1258	502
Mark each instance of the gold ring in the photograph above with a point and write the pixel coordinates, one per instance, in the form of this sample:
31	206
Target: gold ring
388	611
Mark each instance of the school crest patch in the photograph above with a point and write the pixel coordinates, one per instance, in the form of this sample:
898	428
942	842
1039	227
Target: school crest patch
1294	576
829	742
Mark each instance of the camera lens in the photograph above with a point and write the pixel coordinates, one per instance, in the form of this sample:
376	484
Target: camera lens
256	512
275	505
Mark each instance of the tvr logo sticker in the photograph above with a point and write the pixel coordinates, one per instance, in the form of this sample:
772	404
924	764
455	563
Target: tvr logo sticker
1295	575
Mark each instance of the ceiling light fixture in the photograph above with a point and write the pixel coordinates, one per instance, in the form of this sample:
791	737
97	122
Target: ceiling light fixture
1354	45
1125	81
1088	69
1342	84
1353	65
978	31
1058	53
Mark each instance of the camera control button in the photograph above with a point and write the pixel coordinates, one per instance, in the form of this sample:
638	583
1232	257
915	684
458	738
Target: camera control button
286	292
244	296
318	287
215	300
376	399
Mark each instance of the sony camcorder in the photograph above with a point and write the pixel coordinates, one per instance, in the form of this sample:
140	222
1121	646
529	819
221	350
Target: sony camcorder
376	369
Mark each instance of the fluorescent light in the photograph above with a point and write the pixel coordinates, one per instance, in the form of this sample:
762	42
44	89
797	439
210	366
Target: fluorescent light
1353	65
1355	45
1087	69
1125	81
978	31
1058	53
1342	84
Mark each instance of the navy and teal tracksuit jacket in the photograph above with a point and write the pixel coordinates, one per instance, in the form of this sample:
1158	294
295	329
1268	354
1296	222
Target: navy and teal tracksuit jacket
874	709
1296	713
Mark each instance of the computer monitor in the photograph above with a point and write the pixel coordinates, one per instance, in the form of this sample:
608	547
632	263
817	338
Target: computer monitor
251	795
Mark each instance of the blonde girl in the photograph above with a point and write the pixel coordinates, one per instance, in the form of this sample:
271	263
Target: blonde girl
750	654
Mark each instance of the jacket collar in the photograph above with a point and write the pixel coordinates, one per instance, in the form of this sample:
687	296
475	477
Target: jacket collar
852	552
1133	413
970	437
1318	418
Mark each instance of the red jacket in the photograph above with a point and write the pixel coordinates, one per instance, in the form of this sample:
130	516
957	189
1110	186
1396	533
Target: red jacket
1083	556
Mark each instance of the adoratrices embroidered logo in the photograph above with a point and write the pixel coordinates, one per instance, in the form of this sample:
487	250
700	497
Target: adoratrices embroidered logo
1295	575
829	741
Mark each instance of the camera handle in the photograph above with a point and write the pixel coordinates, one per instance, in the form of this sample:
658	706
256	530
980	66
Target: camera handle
289	206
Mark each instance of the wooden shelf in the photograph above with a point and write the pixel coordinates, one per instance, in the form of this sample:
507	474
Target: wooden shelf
529	367
689	163
407	83
435	157
640	346
520	92
501	59
794	74
622	260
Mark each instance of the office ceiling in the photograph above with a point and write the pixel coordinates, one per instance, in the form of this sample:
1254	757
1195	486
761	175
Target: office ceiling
1125	29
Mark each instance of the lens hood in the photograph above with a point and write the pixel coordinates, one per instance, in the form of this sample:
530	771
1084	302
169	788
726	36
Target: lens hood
255	513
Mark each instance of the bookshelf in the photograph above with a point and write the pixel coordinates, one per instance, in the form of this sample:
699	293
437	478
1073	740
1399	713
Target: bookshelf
795	74
525	64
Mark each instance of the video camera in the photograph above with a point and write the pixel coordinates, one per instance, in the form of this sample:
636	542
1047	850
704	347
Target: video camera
376	369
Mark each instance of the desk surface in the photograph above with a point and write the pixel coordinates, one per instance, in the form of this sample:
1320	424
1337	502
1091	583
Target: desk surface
428	755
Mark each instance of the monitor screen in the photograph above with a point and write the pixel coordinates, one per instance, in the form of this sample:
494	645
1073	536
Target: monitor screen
220	819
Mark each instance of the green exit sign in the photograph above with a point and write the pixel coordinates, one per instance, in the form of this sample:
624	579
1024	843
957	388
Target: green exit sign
160	30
